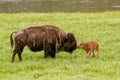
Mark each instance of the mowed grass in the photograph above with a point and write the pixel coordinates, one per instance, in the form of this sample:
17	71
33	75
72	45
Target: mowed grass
103	27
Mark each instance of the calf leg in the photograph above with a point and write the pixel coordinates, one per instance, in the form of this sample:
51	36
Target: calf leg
93	54
97	53
97	50
88	54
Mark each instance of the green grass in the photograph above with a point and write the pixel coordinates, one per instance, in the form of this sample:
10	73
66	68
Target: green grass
103	27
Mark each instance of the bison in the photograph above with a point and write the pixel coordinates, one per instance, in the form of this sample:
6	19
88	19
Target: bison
48	38
90	47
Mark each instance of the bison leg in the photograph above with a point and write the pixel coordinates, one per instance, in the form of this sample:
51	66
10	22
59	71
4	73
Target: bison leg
49	52
13	56
18	49
46	54
52	54
19	53
53	51
49	49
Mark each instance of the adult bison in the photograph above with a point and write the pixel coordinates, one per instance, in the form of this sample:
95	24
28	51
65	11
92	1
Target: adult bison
48	38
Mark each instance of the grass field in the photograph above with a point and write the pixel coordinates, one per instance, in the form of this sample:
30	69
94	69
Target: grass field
103	27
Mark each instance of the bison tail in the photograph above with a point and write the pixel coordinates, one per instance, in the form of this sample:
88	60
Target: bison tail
11	39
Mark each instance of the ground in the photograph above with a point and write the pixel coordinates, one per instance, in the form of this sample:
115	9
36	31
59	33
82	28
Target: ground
103	27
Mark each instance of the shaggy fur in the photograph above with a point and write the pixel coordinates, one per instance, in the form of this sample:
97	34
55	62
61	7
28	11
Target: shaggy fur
89	47
48	38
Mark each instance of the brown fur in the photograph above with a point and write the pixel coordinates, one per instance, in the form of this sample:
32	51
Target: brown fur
48	38
89	47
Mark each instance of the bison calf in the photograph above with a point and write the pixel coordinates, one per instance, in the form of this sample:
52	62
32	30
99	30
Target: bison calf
48	38
89	47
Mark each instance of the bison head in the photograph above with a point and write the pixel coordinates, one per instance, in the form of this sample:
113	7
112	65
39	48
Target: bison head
69	43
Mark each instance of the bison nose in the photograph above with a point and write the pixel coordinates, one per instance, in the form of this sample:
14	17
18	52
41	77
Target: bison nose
71	52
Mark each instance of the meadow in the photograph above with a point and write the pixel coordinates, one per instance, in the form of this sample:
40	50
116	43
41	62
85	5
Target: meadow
103	27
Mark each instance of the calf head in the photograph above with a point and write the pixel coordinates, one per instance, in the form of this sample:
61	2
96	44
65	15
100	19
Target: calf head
81	45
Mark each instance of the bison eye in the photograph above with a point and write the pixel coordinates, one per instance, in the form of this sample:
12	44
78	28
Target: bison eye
70	41
66	40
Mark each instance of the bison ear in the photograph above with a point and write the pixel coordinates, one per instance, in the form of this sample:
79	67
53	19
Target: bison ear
69	36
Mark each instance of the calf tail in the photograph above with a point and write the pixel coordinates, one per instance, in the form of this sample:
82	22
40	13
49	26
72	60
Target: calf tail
97	47
11	39
97	50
